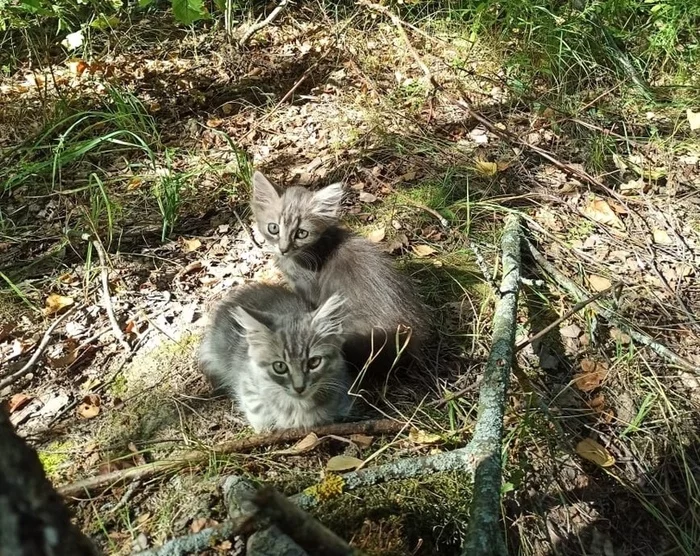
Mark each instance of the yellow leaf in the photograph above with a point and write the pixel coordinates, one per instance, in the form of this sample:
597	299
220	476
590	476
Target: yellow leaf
485	168
375	236
661	237
599	211
90	406
693	119
134	183
599	283
421	437
55	302
343	463
423	250
592	451
191	244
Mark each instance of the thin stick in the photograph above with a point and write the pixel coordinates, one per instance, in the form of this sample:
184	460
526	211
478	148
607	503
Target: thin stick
399	27
299	525
106	481
264	23
575	309
607	313
484	533
29	365
106	298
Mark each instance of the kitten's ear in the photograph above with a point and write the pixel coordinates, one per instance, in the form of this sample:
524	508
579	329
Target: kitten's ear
264	193
328	318
251	325
328	199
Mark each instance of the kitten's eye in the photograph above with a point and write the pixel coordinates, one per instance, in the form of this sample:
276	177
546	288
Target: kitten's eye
313	362
302	234
280	367
273	228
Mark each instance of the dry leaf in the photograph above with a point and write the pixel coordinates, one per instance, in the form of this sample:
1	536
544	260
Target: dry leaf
309	442
423	250
5	329
55	302
571	331
375	236
592	451
134	183
599	283
18	401
191	244
693	119
214	122
90	406
599	211
362	440
592	376
198	524
63	361
661	237
343	463
421	437
485	168
367	197
619	336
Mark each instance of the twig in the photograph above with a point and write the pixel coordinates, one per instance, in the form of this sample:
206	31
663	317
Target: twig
484	535
124	500
106	298
264	23
91	484
399	27
575	309
247	230
300	526
607	313
29	365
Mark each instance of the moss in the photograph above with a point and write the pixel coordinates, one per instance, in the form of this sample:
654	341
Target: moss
329	488
428	515
119	386
53	457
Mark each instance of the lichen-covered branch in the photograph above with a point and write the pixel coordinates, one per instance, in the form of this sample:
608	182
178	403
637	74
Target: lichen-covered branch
484	533
33	518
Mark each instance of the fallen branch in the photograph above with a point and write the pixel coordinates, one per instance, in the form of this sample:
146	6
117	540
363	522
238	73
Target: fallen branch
29	365
575	309
108	480
608	314
106	298
264	23
484	534
303	529
432	82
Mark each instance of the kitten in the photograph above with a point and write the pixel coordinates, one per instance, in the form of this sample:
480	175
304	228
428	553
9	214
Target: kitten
279	358
320	259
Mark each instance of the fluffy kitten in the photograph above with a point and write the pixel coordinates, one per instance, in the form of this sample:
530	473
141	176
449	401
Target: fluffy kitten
320	259
280	359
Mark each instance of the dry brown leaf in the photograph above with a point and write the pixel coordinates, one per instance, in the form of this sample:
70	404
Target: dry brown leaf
693	119
198	524
214	122
309	442
362	440
375	236
55	302
619	336
661	237
571	331
90	406
485	168
599	211
599	283
368	197
423	250
191	244
18	401
418	436
5	329
594	372
343	463
593	451
63	361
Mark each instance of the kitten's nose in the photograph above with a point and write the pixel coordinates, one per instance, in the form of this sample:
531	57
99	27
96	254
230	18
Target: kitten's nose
300	389
283	249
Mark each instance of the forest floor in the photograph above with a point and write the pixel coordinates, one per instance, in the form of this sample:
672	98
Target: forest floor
142	151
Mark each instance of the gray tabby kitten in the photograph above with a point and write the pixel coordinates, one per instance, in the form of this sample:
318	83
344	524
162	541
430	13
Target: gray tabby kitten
320	259
279	358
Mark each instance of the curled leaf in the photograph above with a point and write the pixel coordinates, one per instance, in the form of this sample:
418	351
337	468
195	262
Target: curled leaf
362	440
485	168
90	406
599	211
421	437
423	250
55	302
375	236
593	451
